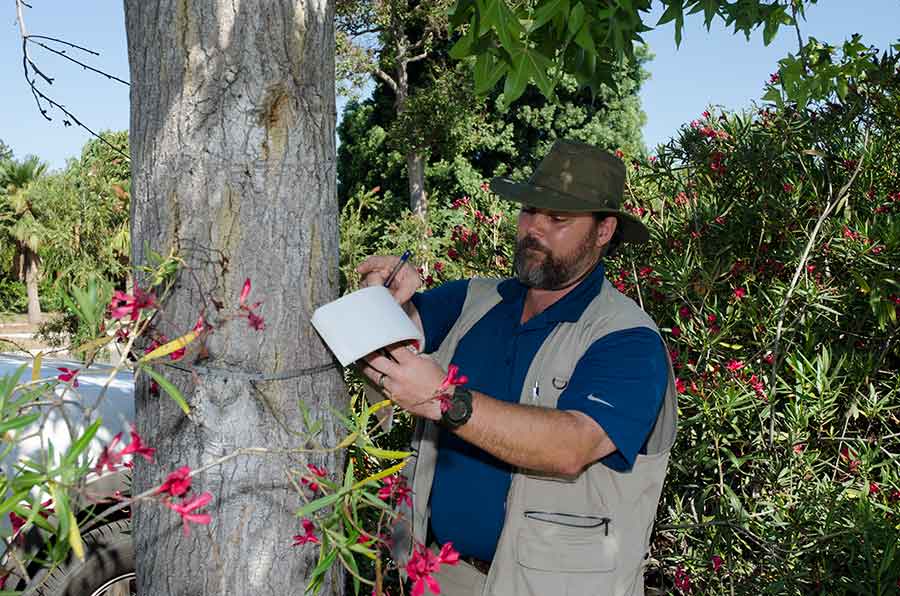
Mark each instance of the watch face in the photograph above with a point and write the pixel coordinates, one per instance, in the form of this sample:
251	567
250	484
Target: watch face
457	410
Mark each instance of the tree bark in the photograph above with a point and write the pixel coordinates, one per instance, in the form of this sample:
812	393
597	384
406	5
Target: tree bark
233	167
32	276
415	171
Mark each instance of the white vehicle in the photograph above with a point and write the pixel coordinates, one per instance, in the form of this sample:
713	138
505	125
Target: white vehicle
108	567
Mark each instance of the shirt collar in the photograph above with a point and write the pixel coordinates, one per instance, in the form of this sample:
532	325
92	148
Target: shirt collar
569	307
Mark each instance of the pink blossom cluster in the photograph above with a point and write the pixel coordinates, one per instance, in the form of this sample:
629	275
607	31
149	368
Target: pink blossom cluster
424	563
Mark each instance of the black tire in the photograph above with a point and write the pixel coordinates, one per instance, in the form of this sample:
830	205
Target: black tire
108	560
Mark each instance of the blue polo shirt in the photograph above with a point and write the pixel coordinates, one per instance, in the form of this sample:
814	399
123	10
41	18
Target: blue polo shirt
620	382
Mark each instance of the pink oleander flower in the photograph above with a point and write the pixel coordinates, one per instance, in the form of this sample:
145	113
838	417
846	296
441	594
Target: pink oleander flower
684	312
424	563
129	305
682	580
253	319
108	458
137	447
309	535
315	471
716	563
177	483
396	489
739	293
874	488
734	365
680	386
68	374
186	509
676	331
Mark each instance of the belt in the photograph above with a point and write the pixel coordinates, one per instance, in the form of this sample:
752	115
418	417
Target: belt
479	564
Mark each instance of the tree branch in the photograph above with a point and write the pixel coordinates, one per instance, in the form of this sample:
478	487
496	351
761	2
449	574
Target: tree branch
386	78
40	98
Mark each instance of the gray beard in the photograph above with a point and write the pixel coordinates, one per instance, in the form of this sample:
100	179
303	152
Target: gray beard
553	273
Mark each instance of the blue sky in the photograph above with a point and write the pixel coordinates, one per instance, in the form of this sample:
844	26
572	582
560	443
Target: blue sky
709	68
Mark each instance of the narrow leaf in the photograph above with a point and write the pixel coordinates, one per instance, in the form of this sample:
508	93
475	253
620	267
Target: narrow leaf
382	474
18	422
75	537
36	366
81	444
169	388
386	453
172	346
319	503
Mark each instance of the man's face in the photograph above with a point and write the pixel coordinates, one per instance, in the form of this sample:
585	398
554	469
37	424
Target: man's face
555	248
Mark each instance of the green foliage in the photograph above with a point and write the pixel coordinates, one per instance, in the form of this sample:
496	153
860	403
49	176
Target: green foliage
87	208
19	216
522	42
13	297
5	151
773	275
466	140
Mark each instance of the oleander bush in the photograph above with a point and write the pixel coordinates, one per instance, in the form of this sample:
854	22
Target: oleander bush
773	275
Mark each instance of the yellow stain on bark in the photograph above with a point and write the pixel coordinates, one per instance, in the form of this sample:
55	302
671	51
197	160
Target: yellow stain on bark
277	116
315	262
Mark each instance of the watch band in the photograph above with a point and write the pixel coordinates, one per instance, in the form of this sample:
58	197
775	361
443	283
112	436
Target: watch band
460	409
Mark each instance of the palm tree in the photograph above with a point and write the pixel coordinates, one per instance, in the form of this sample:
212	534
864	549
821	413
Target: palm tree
20	223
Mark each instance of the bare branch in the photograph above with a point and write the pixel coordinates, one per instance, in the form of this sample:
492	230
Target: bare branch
421	56
386	78
32	71
78	62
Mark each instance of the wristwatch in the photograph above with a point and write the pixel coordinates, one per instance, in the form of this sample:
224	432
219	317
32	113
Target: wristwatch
460	409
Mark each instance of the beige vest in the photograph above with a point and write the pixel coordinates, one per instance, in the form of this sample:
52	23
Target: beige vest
582	536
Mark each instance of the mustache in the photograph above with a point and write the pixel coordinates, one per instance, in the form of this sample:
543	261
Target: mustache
532	243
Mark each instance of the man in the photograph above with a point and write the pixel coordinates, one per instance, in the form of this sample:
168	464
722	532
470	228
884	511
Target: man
546	470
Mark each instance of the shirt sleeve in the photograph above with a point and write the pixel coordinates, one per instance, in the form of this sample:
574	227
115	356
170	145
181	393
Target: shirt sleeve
620	382
439	308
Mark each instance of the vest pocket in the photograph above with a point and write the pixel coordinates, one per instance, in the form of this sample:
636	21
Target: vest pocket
564	554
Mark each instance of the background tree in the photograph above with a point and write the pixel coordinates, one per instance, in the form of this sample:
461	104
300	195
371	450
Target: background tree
232	144
22	224
469	139
88	232
5	151
389	39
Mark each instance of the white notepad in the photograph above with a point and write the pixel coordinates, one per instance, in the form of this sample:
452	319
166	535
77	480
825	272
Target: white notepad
363	322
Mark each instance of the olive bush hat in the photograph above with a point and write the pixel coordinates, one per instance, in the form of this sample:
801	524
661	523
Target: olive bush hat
576	177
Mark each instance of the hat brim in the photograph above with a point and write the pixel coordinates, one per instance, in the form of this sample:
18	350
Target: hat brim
633	230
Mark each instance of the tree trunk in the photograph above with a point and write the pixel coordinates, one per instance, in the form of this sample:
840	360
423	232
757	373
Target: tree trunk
32	276
415	165
415	171
233	167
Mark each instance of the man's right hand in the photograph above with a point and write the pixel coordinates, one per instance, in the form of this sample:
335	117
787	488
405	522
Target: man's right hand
376	269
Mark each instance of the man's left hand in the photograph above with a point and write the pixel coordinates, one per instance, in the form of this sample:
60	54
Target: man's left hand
410	380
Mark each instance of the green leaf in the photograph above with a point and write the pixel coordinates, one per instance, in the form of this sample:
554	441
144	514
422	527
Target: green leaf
488	71
674	12
10	503
576	19
386	453
547	12
497	14
82	443
463	46
169	388
18	422
323	566
319	503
